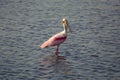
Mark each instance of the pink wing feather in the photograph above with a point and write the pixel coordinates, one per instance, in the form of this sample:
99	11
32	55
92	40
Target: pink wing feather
53	41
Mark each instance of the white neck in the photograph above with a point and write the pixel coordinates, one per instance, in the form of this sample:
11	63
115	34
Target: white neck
65	29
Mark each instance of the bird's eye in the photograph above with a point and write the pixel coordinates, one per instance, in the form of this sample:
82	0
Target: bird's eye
63	21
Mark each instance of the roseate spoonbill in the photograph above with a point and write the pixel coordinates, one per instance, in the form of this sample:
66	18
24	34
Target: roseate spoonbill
58	38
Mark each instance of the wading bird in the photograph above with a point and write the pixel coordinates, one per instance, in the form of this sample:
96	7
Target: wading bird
58	38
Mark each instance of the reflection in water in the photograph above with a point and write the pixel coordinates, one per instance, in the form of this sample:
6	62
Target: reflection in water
94	45
52	68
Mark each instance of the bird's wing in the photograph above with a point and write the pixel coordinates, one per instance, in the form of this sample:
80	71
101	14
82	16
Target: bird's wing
54	40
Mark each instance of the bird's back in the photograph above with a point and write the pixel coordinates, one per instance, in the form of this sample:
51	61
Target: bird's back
55	40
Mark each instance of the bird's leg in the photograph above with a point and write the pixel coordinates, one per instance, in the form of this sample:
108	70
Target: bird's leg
57	49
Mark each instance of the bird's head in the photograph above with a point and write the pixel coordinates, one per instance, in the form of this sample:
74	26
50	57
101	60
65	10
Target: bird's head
66	24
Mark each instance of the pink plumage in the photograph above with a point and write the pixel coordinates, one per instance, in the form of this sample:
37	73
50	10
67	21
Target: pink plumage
57	39
54	41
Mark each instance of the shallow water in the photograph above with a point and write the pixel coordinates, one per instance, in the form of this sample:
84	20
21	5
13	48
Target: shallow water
91	52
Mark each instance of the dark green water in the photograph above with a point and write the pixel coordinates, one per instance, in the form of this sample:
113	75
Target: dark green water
91	52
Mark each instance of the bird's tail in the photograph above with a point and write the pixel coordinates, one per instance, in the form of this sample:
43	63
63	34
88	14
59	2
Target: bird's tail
44	45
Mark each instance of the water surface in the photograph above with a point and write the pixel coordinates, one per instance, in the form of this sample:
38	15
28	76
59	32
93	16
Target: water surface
91	52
